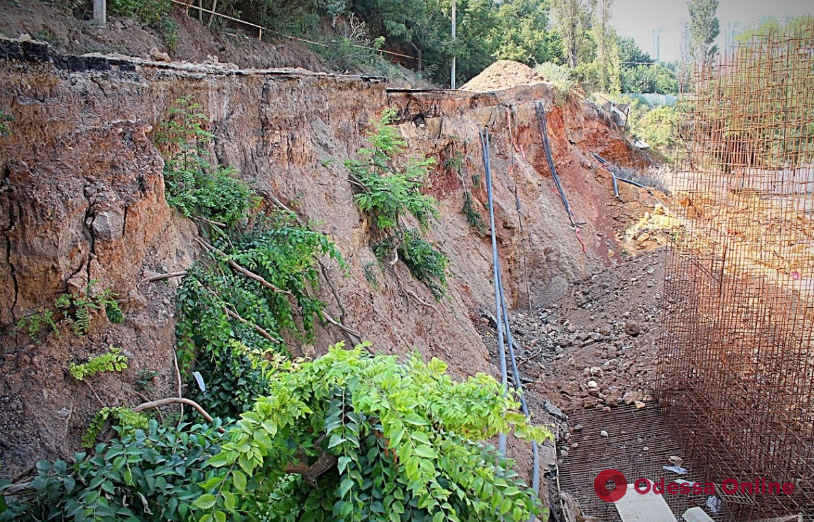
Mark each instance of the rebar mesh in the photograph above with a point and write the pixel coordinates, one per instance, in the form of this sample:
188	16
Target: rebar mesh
737	362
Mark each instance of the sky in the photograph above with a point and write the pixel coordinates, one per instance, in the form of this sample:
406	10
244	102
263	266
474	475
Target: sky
638	18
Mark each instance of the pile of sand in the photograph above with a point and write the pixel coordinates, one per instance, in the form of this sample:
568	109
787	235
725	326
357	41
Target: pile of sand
503	74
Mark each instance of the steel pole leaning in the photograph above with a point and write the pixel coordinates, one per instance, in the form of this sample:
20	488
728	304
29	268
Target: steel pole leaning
484	140
535	472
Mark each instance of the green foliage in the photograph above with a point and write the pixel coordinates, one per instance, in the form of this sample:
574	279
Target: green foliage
145	474
196	187
145	11
473	217
404	436
521	32
573	19
127	419
658	127
387	194
4	119
560	77
426	263
112	361
370	274
282	252
407	443
168	28
704	28
76	310
145	378
33	323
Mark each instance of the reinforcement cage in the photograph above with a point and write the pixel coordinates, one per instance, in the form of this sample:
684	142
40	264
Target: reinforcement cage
736	363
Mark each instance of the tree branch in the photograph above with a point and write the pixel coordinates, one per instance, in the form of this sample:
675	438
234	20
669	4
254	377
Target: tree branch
257	328
311	473
232	263
176	400
159	277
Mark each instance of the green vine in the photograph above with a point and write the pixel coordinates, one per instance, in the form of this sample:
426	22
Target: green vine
112	361
220	308
125	418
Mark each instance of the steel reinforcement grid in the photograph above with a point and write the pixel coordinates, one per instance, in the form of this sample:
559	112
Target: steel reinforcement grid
736	363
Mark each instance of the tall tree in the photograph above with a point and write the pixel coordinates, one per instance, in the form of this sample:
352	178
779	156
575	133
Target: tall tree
704	28
573	18
521	31
607	50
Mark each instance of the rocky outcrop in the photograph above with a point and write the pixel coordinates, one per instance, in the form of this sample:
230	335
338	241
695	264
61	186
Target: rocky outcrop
82	198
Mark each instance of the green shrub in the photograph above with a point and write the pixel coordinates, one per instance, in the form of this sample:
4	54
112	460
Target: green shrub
472	216
145	474
561	78
387	194
283	253
426	263
194	186
404	438
145	11
402	442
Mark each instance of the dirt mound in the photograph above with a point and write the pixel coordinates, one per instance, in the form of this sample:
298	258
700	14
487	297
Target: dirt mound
503	74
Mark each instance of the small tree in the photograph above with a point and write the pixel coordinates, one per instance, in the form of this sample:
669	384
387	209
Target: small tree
704	28
573	18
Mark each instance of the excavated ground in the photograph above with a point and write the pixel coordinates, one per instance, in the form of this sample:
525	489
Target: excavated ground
82	198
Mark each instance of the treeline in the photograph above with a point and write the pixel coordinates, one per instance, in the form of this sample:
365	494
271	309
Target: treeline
576	34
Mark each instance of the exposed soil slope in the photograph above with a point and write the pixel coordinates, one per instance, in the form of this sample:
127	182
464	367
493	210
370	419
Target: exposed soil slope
82	197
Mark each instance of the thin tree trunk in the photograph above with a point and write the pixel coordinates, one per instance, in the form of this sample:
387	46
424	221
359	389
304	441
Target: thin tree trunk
214	10
200	11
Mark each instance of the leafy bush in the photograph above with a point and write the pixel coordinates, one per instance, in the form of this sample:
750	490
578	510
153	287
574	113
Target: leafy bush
473	217
112	361
196	187
426	263
146	474
387	194
222	311
349	436
560	77
403	438
145	11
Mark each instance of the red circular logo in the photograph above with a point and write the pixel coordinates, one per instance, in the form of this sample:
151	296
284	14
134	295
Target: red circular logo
601	485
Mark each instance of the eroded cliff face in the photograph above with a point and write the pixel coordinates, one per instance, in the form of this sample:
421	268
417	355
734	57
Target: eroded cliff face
82	198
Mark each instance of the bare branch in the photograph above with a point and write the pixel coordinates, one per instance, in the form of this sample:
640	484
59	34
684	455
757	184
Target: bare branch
176	400
159	277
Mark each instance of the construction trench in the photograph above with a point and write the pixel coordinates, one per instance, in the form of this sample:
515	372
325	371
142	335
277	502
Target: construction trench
692	363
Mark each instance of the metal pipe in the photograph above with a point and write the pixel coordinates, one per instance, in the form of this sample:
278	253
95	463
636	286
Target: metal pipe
535	472
484	140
